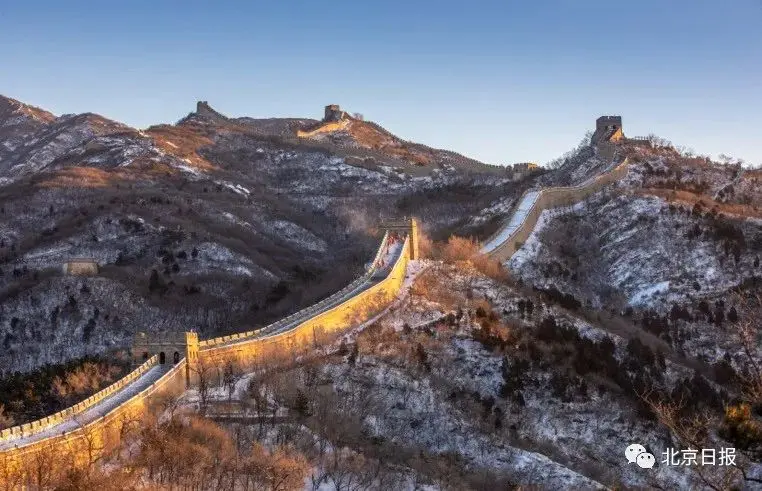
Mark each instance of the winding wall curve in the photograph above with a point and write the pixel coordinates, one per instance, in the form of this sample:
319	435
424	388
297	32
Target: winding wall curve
511	236
365	296
370	294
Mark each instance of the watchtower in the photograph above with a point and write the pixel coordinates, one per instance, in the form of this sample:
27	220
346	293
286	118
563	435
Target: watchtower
171	348
607	128
191	354
204	109
333	113
81	267
409	226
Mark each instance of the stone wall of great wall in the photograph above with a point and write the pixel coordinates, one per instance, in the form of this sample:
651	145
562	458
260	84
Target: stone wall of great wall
98	436
244	336
20	431
105	432
313	331
552	198
328	127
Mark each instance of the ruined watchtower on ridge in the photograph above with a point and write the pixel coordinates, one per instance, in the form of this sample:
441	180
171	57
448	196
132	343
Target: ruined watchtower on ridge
204	109
80	267
333	113
607	129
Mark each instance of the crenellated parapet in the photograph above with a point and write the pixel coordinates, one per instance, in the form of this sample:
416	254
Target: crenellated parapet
510	237
167	363
311	333
18	433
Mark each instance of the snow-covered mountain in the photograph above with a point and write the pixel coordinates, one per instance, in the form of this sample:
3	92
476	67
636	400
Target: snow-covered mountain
674	241
219	224
241	220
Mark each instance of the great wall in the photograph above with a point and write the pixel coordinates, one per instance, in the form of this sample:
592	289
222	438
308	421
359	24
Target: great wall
334	120
516	230
169	365
512	235
324	128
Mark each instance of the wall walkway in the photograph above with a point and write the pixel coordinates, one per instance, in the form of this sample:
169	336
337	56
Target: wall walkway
511	236
367	298
150	370
330	127
99	421
100	428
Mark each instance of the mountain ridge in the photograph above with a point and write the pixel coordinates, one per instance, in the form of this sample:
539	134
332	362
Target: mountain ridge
266	215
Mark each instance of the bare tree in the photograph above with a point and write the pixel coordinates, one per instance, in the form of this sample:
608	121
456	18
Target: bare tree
93	446
41	468
748	327
229	379
286	471
259	394
203	372
694	432
658	142
562	160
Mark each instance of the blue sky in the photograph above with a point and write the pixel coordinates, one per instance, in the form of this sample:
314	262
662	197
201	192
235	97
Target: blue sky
500	81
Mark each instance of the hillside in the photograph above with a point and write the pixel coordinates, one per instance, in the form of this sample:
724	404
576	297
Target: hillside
240	223
677	239
468	383
682	220
477	377
359	134
367	144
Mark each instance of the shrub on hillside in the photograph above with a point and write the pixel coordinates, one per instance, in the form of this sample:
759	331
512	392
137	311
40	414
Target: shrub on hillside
33	395
459	249
462	249
489	267
204	452
566	300
742	428
425	245
6	421
85	379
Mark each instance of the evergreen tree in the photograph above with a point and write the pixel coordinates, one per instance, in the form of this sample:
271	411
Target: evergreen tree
301	404
352	358
155	283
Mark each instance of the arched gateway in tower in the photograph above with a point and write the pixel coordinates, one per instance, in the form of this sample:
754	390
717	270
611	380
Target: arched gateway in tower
171	348
406	225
